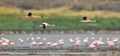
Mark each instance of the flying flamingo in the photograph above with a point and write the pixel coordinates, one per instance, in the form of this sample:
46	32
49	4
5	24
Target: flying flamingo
44	25
85	19
30	16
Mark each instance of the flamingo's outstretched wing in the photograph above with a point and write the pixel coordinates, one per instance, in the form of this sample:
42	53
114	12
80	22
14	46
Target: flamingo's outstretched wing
88	21
37	26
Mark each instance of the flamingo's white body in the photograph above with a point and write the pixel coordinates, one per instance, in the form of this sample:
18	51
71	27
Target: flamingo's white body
87	21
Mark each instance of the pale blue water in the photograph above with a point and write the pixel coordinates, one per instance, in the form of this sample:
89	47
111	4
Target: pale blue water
55	37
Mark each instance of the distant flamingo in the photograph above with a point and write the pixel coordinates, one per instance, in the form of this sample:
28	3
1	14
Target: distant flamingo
71	40
44	25
40	43
30	16
54	44
93	47
21	40
77	43
85	40
38	38
85	19
34	43
6	43
61	42
111	44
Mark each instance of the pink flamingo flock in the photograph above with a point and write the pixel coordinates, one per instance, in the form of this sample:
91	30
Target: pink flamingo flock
90	42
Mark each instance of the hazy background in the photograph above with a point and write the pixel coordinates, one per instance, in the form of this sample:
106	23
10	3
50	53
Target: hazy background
76	5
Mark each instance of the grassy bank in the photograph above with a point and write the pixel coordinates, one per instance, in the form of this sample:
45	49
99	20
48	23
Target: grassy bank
15	22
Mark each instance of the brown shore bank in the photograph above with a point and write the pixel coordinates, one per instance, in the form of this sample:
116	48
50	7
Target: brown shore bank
108	53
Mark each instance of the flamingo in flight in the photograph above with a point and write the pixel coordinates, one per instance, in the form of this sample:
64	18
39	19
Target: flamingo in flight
85	19
44	25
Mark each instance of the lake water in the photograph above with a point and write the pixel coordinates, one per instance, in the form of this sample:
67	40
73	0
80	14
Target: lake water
55	37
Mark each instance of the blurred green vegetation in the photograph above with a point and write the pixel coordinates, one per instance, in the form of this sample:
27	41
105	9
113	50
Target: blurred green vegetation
64	23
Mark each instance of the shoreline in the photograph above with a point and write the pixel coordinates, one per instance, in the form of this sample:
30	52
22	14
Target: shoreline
60	32
107	53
